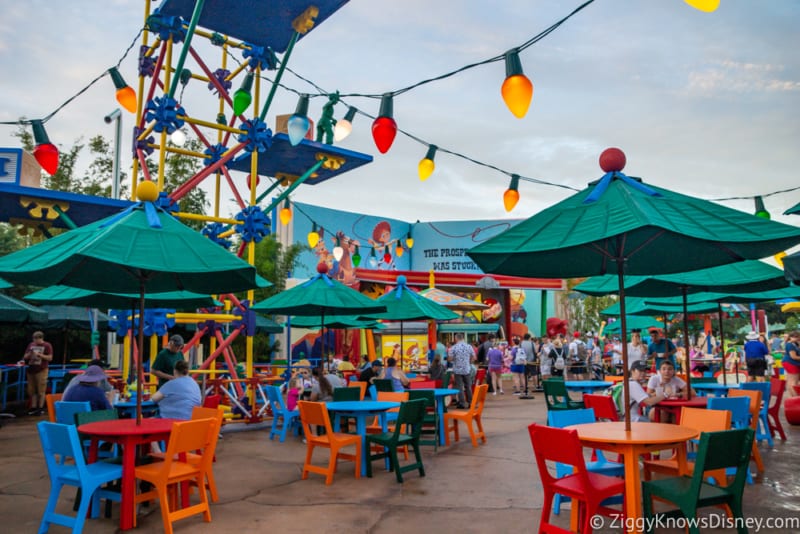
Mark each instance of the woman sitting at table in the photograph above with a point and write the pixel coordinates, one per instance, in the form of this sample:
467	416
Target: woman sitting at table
88	388
436	369
177	397
321	390
395	374
667	383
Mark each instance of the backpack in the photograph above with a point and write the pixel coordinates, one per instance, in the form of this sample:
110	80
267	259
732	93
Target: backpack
560	363
581	350
519	356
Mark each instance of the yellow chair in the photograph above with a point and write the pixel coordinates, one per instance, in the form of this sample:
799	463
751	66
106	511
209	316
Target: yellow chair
51	399
186	437
316	414
702	420
468	417
755	409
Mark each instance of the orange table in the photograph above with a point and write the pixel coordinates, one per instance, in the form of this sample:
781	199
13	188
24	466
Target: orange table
642	438
614	379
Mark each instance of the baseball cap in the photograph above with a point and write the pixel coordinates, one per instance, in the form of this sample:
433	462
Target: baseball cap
377	363
654	330
638	365
576	334
177	339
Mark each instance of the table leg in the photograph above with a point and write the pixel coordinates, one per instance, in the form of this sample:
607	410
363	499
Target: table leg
440	420
127	508
361	430
633	487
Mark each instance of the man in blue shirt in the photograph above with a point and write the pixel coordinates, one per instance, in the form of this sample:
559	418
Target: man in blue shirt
755	353
661	348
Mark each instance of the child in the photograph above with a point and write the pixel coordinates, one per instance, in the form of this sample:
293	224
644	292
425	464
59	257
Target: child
295	390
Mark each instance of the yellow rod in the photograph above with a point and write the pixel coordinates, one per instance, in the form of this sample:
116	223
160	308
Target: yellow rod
200	217
208	124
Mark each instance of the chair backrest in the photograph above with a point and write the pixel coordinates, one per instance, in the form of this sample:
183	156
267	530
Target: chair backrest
425	394
66	410
755	402
61	442
314	414
422	384
212	401
766	391
51	399
558	445
603	406
346	394
275	399
554	391
479	399
720	450
562	418
201	412
383	384
705	420
191	436
412	414
704	380
81	418
362	386
776	389
738	406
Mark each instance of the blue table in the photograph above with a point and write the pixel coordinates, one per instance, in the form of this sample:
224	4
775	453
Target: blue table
439	395
587	386
710	388
127	409
18	382
360	410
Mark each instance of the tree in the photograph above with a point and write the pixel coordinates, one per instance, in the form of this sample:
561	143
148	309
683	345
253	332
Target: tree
583	312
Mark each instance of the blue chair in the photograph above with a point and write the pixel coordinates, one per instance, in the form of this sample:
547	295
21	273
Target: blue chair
66	410
763	417
563	418
282	418
62	440
740	418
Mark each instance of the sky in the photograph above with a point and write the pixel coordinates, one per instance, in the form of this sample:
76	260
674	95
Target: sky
707	104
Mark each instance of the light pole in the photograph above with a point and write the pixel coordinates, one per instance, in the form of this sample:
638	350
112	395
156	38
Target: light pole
115	116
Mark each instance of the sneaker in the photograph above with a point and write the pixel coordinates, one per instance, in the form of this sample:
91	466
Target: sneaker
494	393
517	393
33	411
502	392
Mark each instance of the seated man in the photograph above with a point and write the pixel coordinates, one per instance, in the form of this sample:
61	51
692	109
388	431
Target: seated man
639	398
178	396
88	388
372	372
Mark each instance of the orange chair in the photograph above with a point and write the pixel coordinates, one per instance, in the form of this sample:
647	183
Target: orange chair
186	437
468	416
698	419
357	384
776	389
50	400
316	414
587	489
422	384
755	413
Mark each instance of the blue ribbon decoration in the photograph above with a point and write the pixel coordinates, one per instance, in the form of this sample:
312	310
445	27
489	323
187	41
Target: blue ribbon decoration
258	56
323	276
150	210
212	232
222	77
215	153
401	284
609	177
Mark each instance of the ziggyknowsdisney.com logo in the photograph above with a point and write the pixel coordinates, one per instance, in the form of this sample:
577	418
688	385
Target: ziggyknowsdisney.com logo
712	521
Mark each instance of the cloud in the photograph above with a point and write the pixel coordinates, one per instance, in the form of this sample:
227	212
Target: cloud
737	77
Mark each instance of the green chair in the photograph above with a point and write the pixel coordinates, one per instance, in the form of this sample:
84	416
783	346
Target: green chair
410	419
704	380
448	376
383	384
346	394
430	424
556	396
717	450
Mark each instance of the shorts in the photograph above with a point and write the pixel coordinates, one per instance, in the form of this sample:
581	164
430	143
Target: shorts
517	368
756	366
495	369
790	366
37	383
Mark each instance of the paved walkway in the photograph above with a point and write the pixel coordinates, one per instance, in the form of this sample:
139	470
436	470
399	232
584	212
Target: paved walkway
492	489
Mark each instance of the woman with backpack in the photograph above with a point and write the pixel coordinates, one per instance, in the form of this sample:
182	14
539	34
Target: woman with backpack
558	358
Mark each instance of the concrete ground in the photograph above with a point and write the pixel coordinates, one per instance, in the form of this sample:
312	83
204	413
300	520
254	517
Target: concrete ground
493	488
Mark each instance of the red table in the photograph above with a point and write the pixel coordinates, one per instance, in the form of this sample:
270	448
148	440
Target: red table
674	406
129	435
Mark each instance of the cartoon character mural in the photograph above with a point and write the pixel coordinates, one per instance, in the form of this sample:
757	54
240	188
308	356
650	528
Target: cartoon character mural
380	241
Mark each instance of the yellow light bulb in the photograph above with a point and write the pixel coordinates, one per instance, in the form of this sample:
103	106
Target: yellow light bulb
285	216
313	238
425	168
704	5
410	242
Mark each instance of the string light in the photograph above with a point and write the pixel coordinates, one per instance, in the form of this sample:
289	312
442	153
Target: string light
387	256
285	214
761	211
242	96
313	236
704	5
373	261
177	137
338	251
250	181
384	128
344	126
126	96
298	124
45	152
511	196
426	165
409	240
517	89
356	257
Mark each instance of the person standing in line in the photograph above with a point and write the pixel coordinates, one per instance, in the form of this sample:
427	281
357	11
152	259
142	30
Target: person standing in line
461	356
775	343
577	356
545	358
37	357
755	357
494	359
791	362
164	365
636	349
482	355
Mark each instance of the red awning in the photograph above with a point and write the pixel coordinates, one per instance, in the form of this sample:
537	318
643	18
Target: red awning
448	279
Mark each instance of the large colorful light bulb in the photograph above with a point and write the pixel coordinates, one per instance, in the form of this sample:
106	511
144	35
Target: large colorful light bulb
356	257
45	152
426	164
384	128
338	251
313	236
517	89
704	5
125	95
298	124
511	196
285	214
387	256
242	96
344	126
409	240
761	211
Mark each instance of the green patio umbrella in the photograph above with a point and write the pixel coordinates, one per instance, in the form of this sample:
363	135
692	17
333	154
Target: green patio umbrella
641	306
633	322
320	296
791	267
4	284
18	312
73	318
794	210
142	249
403	304
97	299
620	225
451	300
335	321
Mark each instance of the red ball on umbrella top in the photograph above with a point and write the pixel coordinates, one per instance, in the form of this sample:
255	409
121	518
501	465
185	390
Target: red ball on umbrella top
612	160
322	268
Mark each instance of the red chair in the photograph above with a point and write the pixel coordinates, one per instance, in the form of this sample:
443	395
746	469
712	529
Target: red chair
212	401
422	384
480	378
603	406
773	413
586	489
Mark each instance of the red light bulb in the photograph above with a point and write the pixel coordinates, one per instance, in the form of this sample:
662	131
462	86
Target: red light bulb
384	128
46	153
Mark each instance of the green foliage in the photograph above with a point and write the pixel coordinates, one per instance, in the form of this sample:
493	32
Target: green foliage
583	312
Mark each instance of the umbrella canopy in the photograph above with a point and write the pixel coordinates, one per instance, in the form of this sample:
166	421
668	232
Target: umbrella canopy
792	292
620	225
74	318
452	301
335	321
4	284
97	299
18	312
641	306
632	322
791	267
141	249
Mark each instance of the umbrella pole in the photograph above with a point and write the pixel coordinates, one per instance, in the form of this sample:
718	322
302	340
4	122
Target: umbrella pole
687	360
64	357
140	367
626	388
722	344
322	356
401	346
